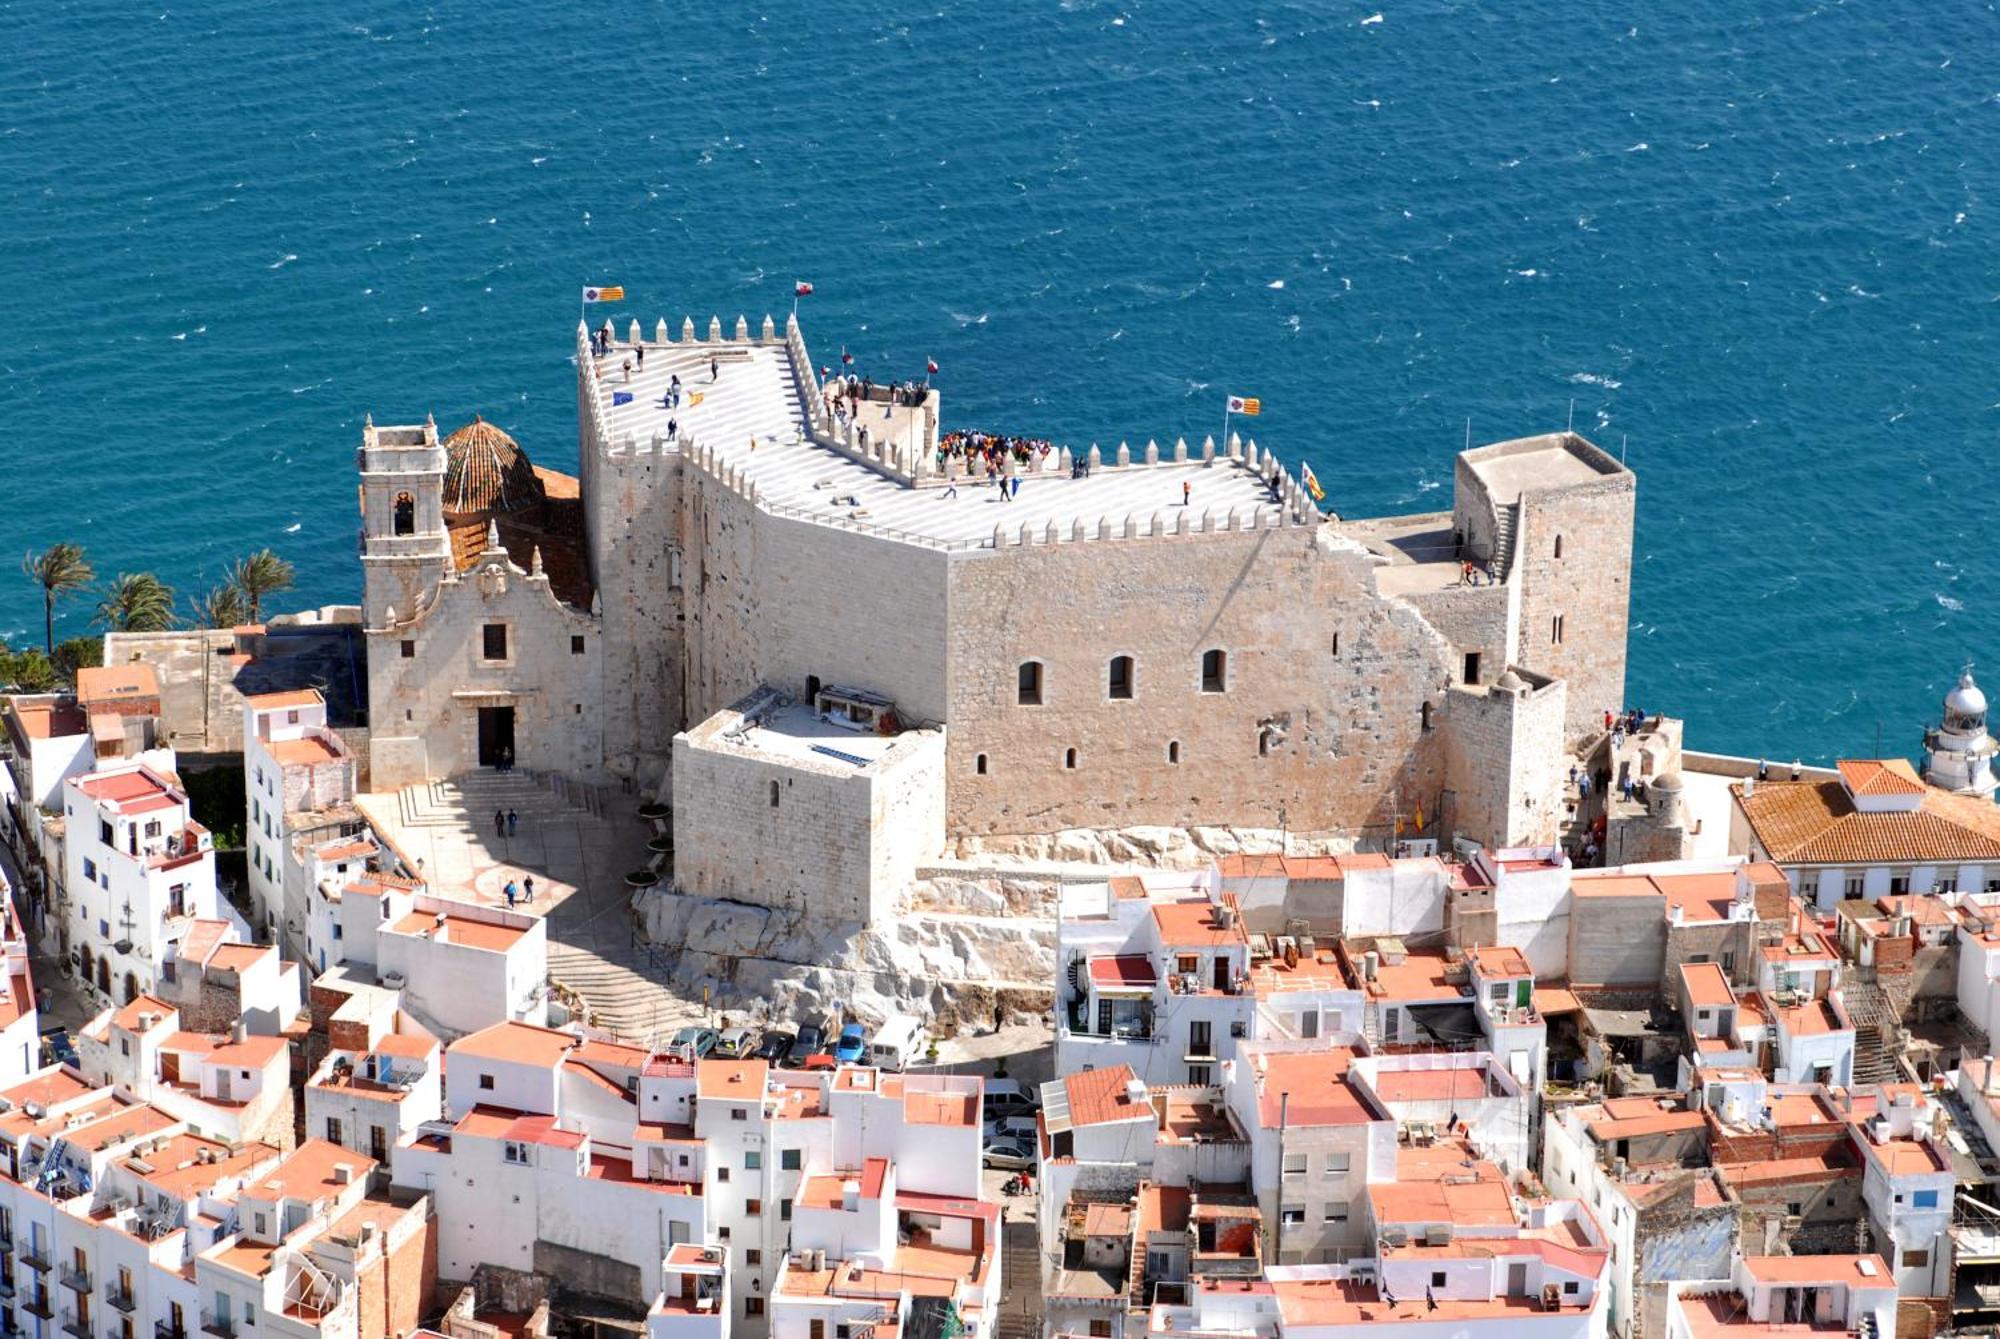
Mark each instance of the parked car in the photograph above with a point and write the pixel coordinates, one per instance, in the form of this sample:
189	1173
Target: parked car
810	1041
1006	1097
773	1047
1012	1128
853	1044
733	1043
1011	1155
693	1043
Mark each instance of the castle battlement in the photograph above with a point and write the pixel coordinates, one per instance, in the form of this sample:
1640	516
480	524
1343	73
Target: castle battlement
765	429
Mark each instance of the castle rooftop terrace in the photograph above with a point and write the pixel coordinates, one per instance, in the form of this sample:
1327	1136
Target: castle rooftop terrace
793	732
1553	460
754	414
1422	552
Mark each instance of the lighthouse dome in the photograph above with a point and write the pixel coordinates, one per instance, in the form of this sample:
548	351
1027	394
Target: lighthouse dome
1966	699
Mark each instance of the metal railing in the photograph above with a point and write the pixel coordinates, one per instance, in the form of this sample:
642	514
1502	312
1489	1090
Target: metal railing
75	1276
223	1327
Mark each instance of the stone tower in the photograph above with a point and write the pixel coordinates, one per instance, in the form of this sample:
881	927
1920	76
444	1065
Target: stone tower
1959	753
405	548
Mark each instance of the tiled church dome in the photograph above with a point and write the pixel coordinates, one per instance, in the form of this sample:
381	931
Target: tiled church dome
487	471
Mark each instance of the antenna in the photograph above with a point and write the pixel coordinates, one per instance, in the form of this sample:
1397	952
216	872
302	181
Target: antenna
1571	426
1468	432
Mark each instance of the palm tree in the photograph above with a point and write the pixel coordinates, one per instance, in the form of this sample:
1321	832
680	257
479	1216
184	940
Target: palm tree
262	573
221	607
137	602
58	570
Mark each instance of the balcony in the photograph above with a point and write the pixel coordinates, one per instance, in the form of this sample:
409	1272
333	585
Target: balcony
222	1327
37	1304
71	1324
75	1277
167	1329
121	1298
36	1257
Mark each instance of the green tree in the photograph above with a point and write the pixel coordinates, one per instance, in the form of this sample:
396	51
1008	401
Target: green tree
28	671
59	570
262	573
221	607
75	653
136	602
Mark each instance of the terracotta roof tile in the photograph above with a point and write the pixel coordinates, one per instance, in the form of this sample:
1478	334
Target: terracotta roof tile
1816	823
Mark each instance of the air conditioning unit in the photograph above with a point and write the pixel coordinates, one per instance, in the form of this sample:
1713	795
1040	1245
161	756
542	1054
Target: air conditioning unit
1239	1029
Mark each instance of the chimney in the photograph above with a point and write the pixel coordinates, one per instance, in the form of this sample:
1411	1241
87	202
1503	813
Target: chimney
343	1173
239	1031
850	1196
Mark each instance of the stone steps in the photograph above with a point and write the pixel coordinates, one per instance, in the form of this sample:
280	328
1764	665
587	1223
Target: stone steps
460	802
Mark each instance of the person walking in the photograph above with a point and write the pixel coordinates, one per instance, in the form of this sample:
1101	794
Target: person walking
1187	491
1017	487
512	819
528	888
511	891
714	369
499	823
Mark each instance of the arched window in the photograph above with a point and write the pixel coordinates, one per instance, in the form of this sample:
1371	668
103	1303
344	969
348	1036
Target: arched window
1427	717
1069	759
1028	684
406	514
1214	671
1120	685
979	764
1174	751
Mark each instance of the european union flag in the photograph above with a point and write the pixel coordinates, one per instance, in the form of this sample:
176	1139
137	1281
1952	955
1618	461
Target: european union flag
620	397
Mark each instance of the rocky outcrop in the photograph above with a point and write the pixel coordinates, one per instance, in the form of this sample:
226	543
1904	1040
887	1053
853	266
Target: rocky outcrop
1152	847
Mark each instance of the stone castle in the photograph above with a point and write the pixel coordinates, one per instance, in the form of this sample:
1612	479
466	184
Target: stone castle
844	655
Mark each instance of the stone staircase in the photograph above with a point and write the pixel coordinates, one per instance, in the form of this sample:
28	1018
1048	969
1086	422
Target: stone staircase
1875	1028
618	985
1505	526
1021	1274
474	796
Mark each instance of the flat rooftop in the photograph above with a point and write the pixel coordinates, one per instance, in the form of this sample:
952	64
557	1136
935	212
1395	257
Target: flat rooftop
756	399
1556	460
801	737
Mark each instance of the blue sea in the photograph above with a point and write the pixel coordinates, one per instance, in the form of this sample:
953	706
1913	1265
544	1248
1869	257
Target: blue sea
1749	245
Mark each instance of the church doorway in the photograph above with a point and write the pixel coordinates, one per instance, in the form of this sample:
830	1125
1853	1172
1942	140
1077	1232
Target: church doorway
496	736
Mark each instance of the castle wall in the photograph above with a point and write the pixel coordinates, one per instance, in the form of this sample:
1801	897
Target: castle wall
1589	586
1345	736
775	599
633	502
1471	618
763	829
1504	750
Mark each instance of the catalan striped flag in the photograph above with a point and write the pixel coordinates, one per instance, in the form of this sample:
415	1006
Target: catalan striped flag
1311	481
1245	404
611	294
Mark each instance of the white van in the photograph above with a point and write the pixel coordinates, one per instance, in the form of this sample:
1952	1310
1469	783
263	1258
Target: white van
896	1043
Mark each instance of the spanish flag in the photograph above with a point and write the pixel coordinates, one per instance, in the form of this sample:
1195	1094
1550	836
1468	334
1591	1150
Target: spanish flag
1242	404
1311	481
612	294
1420	815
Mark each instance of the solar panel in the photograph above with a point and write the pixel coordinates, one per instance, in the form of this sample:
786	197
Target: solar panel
836	753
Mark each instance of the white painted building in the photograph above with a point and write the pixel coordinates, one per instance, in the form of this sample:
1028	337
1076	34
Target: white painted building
1775	1294
139	870
229	1086
299	782
20	1029
1907	1184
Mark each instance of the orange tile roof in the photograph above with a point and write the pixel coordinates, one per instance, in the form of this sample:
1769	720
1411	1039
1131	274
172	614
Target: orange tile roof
307	751
1472	1204
177	1168
960	1109
1707	987
1888	776
1316	1084
109	682
1193	925
1819	1269
295	697
1500	961
1432	1085
308	1174
465	931
1163	1208
47	720
127	1016
236	957
201	938
1123	971
521	1043
1816	823
742	1080
1099	1096
1108	1220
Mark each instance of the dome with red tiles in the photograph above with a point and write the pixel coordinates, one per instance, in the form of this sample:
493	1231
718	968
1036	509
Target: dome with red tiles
487	471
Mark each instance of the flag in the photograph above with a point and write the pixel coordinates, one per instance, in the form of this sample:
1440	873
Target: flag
802	289
694	398
1311	481
1399	825
846	358
1239	404
1420	815
604	294
826	371
930	365
620	397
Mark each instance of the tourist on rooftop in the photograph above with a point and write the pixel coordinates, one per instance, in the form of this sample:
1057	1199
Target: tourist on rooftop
528	888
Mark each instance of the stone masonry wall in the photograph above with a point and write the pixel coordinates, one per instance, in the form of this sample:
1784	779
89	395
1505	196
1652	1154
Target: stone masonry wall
1505	749
775	600
1343	733
1589	586
635	540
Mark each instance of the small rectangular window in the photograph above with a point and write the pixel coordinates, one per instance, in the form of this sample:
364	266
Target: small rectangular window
1291	1215
1120	686
1028	685
753	1161
1916	1259
576	646
409	650
1472	667
1295	1164
1214	671
486	1082
1556	630
1437	1278
754	1208
494	641
789	1159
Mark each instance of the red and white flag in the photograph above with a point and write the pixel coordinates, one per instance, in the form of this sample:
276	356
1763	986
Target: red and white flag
930	365
801	289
